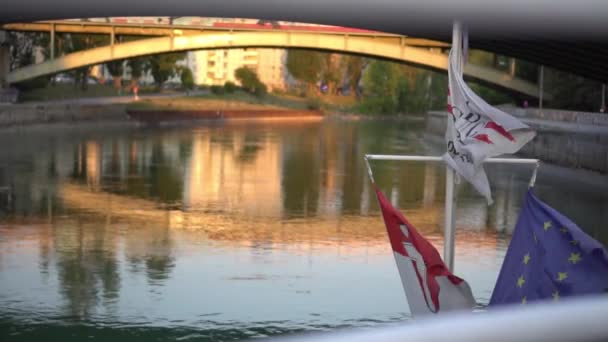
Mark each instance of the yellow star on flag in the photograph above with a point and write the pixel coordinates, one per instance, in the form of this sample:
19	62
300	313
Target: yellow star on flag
520	281
526	258
574	258
556	295
547	225
563	230
561	276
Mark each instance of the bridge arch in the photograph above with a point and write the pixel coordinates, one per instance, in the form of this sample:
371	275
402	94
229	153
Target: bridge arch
393	49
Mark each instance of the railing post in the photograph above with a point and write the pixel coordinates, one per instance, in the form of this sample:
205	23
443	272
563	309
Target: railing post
448	227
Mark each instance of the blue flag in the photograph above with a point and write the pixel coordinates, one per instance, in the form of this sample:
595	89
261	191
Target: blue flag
549	258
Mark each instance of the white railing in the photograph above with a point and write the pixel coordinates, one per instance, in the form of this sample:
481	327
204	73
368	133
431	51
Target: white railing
582	320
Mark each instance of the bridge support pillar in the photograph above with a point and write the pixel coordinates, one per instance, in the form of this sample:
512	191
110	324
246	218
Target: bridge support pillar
6	94
5	62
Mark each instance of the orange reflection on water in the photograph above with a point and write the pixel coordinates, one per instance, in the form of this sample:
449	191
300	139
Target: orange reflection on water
225	177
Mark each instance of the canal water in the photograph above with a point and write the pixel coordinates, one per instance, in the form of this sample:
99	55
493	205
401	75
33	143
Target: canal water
234	231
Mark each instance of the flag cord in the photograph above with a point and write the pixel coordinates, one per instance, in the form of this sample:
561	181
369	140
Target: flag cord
533	178
369	170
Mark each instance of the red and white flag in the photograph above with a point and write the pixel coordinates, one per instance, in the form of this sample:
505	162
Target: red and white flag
476	131
429	286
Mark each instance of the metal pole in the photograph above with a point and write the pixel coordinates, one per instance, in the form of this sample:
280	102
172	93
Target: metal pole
541	81
448	225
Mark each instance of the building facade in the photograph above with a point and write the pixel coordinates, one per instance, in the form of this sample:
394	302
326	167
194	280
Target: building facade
214	67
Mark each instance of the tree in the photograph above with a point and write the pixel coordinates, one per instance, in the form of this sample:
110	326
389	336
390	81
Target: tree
380	87
305	66
116	69
332	72
139	66
354	66
23	46
250	82
22	52
187	78
571	91
248	78
164	66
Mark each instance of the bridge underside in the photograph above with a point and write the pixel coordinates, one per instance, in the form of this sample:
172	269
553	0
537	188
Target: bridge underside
567	35
383	47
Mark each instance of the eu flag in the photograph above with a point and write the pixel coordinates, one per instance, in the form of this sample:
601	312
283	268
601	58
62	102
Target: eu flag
549	258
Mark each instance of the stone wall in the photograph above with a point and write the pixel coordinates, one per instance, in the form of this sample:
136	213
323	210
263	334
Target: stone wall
28	114
584	118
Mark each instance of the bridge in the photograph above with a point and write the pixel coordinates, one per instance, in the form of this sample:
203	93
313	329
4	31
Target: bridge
570	36
174	38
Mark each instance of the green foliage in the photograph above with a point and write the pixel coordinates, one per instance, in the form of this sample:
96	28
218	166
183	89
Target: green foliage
115	68
305	65
491	96
391	88
261	90
164	66
22	47
571	91
331	71
21	53
248	78
353	70
250	82
187	78
230	87
380	87
217	90
405	97
526	70
482	58
139	66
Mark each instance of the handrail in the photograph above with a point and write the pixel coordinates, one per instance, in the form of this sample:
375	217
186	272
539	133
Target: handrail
582	319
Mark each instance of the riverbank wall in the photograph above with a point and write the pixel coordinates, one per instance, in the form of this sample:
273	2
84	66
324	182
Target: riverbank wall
32	114
565	116
579	141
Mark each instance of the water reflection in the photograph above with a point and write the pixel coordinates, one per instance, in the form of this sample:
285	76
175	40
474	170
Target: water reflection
196	229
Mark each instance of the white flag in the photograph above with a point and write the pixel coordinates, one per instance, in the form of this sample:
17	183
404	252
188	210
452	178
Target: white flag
476	130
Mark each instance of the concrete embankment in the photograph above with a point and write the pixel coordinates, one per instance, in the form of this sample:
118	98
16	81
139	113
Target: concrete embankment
30	114
161	116
579	141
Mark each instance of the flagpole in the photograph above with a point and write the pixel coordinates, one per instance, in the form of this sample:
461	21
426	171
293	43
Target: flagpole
448	225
